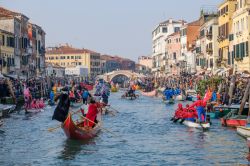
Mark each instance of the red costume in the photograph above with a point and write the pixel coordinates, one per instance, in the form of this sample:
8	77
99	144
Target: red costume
91	115
191	112
179	111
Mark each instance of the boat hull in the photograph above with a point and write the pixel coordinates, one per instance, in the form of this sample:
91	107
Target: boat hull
243	131
114	89
73	131
196	125
180	98
149	94
33	110
233	122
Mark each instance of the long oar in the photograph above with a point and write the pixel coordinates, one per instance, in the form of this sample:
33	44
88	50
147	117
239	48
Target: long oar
58	126
113	108
101	127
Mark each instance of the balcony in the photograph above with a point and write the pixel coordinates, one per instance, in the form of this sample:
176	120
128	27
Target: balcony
209	51
209	35
221	38
238	33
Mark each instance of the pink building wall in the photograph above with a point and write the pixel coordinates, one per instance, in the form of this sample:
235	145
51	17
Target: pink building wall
173	49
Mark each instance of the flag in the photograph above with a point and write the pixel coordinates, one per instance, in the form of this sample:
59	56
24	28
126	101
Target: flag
62	109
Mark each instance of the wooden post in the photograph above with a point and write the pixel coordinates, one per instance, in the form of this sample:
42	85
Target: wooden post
248	117
231	89
220	88
244	99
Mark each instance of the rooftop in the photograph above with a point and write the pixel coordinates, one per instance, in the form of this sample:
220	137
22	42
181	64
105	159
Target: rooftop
66	49
170	21
194	23
115	58
6	12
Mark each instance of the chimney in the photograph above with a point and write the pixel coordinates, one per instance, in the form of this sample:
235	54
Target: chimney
170	20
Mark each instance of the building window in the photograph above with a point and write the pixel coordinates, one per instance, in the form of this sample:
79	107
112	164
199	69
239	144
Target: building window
174	55
165	30
72	57
176	29
211	63
246	48
3	40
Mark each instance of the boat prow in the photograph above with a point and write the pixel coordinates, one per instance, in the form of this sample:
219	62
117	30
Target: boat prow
243	131
77	131
197	125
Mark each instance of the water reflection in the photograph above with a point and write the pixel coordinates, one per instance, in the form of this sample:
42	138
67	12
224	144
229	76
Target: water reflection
72	148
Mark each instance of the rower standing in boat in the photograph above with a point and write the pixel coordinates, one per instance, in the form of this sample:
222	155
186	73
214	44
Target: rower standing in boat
105	93
92	114
62	109
200	108
85	96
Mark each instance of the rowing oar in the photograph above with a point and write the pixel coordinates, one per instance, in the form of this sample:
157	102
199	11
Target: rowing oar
203	128
101	127
58	126
113	108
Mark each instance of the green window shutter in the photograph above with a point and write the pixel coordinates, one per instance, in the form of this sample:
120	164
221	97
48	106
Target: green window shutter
242	50
247	48
237	51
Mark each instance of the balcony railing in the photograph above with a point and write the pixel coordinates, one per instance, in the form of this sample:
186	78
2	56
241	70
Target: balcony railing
209	35
209	51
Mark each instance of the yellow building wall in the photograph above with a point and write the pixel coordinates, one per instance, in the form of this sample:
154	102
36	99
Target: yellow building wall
226	18
242	14
71	62
5	51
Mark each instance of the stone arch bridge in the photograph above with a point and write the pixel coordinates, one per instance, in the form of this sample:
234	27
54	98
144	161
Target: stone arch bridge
128	73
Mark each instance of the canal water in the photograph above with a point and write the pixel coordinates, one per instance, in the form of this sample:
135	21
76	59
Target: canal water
144	135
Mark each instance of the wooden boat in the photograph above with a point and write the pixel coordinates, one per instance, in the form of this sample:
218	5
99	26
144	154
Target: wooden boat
191	95
221	110
76	131
129	97
6	109
232	119
33	110
243	131
149	94
114	89
180	98
171	101
235	121
205	125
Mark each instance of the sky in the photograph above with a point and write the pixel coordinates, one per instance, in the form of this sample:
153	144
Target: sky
114	27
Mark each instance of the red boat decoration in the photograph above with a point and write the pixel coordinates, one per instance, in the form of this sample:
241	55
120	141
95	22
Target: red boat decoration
77	131
149	94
